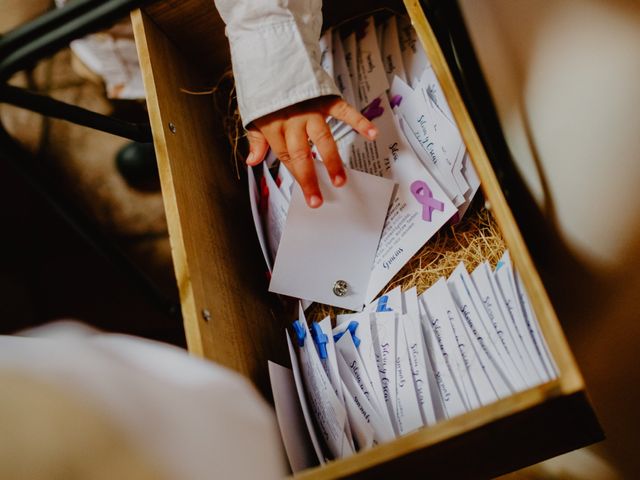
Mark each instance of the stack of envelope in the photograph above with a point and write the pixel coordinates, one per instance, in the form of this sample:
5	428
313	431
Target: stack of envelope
383	70
407	361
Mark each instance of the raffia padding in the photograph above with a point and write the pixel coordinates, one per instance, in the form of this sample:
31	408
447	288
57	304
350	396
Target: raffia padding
473	240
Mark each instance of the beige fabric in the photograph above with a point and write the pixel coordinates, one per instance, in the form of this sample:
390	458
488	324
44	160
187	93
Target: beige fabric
17	12
47	433
564	76
569	69
191	419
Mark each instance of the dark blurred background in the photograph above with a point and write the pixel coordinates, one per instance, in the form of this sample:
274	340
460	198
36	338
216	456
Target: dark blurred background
47	270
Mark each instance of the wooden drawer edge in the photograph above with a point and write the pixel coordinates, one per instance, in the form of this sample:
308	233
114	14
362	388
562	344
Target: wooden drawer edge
178	249
569	372
514	418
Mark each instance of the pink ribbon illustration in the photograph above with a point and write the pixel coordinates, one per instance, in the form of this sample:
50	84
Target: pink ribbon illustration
424	196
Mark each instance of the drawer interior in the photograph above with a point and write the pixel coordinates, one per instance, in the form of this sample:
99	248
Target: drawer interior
229	316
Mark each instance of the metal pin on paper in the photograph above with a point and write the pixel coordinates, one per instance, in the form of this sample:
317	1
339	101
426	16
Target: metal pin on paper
340	288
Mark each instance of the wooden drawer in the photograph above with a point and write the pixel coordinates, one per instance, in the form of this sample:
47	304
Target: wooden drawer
230	318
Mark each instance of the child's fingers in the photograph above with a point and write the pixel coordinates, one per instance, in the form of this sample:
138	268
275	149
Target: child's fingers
258	147
298	160
320	135
343	111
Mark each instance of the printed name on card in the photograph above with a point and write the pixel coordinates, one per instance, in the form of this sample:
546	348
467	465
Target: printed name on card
439	352
408	411
372	79
501	333
419	207
390	49
384	342
329	412
487	353
420	365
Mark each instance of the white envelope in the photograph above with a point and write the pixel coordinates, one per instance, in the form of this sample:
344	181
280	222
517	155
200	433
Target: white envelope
350	46
277	207
390	49
420	364
481	277
383	333
355	369
445	179
331	363
347	349
257	222
334	243
367	354
435	133
358	413
534	328
326	52
413	55
469	372
430	81
389	302
485	350
511	337
330	414
291	421
372	80
302	398
408	410
506	287
439	353
341	74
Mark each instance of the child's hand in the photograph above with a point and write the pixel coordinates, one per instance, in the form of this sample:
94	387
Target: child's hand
287	131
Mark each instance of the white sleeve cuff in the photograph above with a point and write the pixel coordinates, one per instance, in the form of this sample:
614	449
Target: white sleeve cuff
274	67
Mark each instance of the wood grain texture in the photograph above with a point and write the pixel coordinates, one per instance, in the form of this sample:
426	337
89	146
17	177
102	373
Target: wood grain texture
216	256
570	376
525	429
197	32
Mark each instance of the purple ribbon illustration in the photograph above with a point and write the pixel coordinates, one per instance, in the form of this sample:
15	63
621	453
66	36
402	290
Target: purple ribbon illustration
424	196
395	100
373	110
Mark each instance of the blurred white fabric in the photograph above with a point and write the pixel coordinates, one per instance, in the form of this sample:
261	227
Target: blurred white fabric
191	419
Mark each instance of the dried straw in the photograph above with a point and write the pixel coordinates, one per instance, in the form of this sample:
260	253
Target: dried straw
473	240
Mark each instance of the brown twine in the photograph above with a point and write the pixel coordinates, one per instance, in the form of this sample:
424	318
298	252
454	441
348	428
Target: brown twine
225	105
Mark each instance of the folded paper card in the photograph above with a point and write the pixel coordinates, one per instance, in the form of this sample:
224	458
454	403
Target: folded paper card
326	254
404	362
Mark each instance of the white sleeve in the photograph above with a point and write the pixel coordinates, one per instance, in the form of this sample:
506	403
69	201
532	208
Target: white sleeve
275	53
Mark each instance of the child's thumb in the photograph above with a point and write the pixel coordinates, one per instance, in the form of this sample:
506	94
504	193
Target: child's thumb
258	147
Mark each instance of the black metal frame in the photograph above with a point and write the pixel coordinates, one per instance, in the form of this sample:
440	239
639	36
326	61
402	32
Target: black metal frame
24	47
